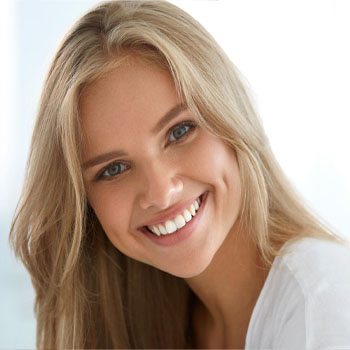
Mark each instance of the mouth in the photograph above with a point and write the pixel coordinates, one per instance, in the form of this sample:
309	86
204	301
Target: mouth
174	231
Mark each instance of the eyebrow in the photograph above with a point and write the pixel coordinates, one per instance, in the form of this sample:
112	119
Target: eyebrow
170	115
102	158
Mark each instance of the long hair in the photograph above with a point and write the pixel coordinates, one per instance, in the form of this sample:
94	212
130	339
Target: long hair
89	294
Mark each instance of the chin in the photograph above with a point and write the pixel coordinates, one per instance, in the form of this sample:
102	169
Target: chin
190	269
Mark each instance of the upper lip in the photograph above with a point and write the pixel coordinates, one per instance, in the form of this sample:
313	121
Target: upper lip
177	209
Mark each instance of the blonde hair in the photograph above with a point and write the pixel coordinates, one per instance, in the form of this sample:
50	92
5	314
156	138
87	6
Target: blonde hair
88	294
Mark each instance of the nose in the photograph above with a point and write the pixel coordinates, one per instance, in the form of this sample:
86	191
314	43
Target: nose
160	186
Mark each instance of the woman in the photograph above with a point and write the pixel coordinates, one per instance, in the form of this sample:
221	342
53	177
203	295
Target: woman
154	214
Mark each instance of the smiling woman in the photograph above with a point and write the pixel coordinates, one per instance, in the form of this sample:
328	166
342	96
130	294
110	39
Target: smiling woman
166	164
172	225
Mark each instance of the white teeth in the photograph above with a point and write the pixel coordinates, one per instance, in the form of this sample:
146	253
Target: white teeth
187	215
196	205
170	226
192	210
180	221
162	229
156	230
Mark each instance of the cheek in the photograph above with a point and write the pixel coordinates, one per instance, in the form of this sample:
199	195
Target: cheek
214	162
112	209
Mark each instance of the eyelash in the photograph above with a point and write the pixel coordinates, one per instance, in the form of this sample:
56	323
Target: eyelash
189	123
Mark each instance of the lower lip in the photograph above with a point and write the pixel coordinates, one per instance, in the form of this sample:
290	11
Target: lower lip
181	234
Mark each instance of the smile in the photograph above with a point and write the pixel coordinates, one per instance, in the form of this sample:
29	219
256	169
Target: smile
187	222
171	226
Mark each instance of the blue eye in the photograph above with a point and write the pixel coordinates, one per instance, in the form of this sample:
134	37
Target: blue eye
180	130
112	170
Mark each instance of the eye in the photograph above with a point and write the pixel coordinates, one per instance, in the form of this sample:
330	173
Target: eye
180	130
111	171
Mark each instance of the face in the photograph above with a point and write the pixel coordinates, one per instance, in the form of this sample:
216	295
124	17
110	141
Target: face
146	162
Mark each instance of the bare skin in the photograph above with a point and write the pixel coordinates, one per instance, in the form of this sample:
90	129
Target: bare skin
228	290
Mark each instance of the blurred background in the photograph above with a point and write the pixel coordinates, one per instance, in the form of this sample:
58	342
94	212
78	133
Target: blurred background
295	55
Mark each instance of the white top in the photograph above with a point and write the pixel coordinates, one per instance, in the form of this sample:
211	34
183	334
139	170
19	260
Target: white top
305	301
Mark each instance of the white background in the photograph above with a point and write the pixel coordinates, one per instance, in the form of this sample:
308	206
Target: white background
294	53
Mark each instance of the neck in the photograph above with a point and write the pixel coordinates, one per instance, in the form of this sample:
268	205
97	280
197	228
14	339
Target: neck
227	292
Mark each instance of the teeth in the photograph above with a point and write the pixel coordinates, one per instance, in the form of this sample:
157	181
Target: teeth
156	230
180	221
162	230
193	210
170	226
187	215
196	205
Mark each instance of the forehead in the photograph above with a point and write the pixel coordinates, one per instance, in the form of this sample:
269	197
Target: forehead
124	102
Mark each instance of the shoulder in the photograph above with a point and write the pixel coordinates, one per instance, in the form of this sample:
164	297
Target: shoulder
313	261
305	302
